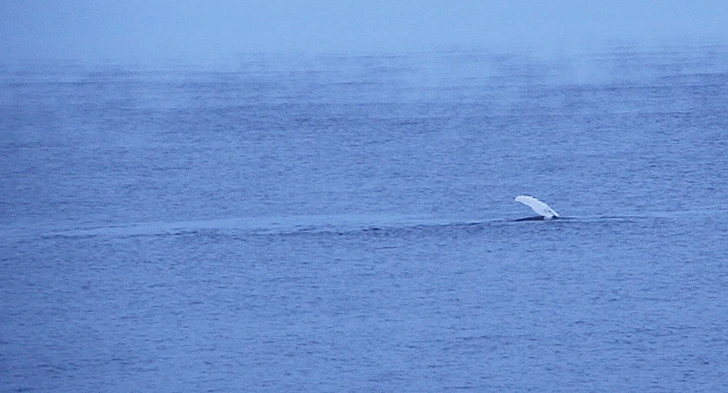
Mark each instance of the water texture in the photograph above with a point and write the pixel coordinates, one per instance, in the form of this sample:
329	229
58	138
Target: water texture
345	223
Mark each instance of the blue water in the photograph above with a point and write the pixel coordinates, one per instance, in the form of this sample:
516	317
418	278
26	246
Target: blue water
345	223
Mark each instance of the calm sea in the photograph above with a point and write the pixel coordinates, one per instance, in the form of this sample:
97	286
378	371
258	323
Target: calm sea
338	223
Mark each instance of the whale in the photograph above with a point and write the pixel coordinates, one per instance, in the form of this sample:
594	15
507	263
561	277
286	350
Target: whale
544	211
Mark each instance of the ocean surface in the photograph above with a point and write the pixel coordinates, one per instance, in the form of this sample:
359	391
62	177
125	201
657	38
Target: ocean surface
345	223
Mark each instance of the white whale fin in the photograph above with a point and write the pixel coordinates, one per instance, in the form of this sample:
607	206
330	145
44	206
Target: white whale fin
539	207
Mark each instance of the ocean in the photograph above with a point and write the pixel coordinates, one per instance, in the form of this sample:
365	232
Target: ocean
346	223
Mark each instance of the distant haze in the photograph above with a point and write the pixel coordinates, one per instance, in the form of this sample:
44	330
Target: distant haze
91	30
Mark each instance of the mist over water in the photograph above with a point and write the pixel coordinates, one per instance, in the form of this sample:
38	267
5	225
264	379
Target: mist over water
190	31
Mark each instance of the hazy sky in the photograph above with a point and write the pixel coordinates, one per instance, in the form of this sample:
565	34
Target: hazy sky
98	29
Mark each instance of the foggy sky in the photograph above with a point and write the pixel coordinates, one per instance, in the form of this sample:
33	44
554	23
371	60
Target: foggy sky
101	29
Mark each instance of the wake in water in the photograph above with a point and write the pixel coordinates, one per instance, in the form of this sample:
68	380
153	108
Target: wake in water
337	223
345	223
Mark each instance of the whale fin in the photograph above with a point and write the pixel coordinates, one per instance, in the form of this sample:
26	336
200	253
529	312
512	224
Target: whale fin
539	207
